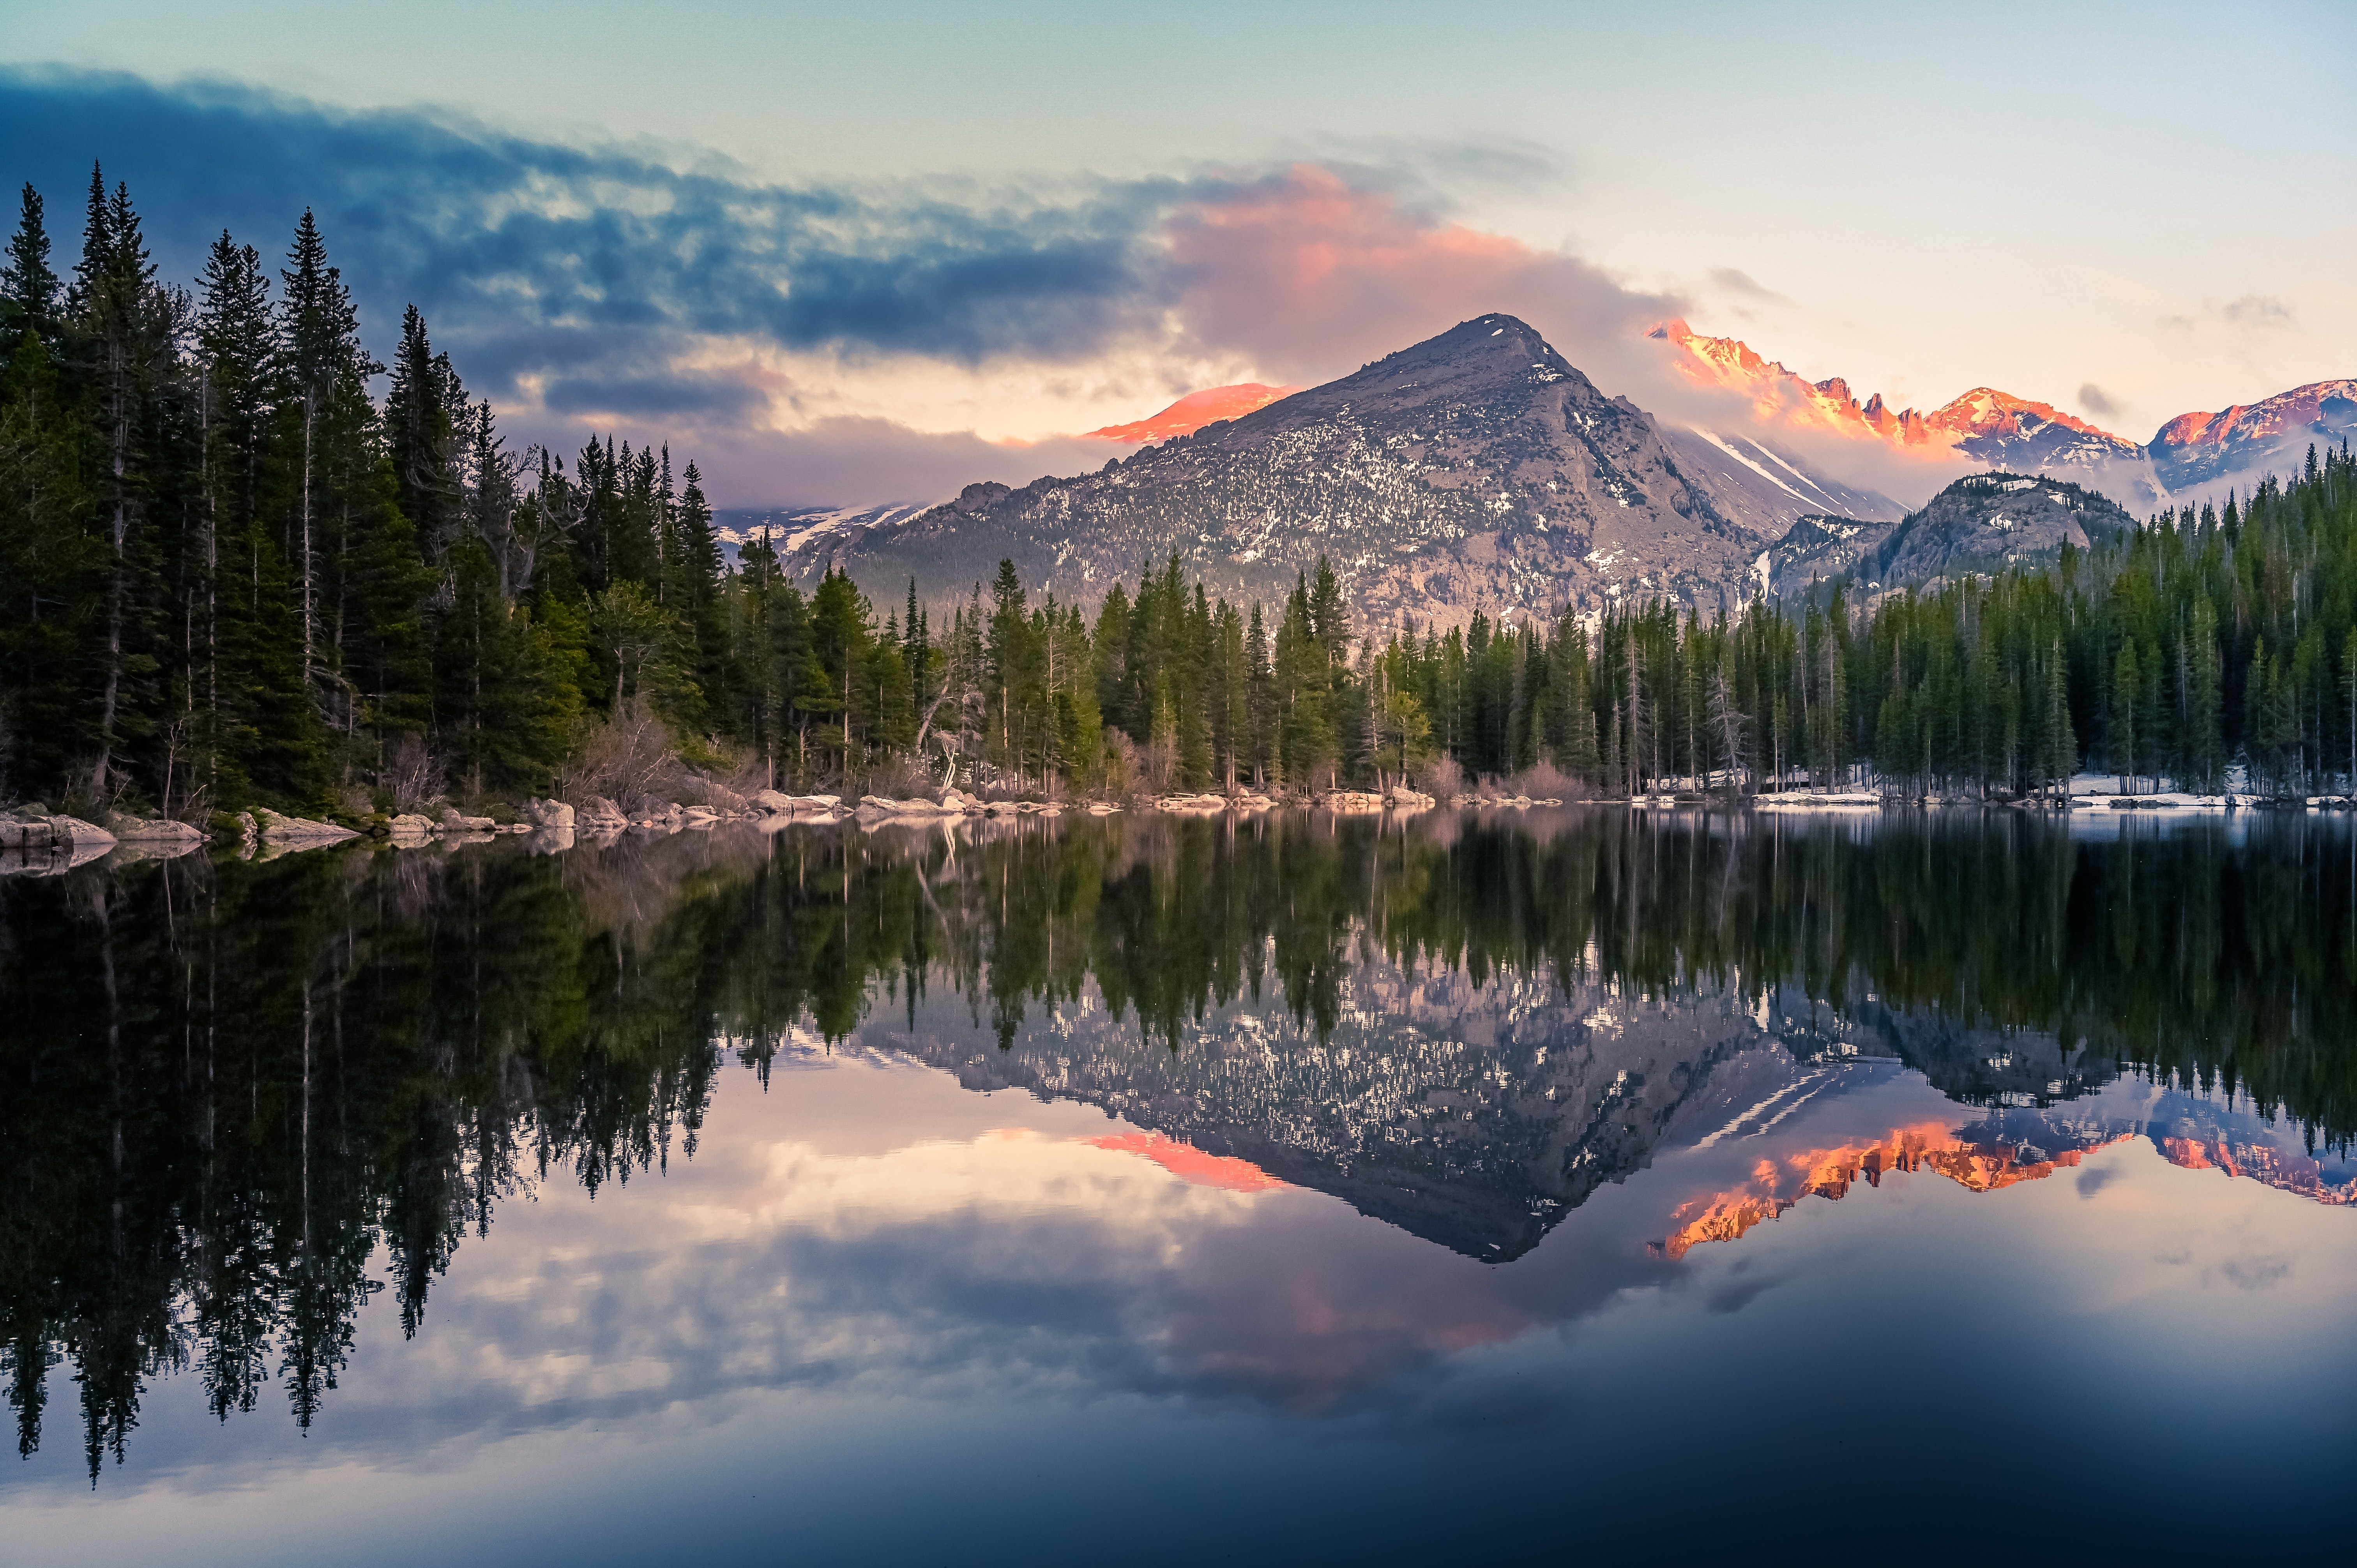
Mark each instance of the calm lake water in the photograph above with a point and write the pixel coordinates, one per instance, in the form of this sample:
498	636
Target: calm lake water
1568	1185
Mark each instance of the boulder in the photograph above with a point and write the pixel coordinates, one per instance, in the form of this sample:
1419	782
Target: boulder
769	801
277	828
151	829
548	814
455	822
411	829
25	829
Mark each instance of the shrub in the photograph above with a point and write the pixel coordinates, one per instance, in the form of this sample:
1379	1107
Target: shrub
1441	777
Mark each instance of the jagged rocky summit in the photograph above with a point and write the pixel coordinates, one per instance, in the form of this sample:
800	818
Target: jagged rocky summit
2189	460
1477	469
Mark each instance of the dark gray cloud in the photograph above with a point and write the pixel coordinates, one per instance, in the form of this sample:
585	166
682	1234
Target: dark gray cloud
478	225
583	271
2096	400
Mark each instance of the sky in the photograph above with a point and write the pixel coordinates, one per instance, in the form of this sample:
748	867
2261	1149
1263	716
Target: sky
857	253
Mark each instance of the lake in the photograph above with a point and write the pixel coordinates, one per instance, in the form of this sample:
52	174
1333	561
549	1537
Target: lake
1565	1184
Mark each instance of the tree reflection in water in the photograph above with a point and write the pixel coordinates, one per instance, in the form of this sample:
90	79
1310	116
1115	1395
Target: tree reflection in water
228	1084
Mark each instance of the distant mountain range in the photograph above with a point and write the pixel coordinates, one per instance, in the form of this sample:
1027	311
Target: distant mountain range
2189	455
1481	470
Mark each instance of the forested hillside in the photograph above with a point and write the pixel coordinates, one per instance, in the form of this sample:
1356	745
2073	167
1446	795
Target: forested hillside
235	572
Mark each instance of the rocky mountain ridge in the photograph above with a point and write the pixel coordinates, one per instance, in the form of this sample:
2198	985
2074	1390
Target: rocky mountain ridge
2198	449
2189	455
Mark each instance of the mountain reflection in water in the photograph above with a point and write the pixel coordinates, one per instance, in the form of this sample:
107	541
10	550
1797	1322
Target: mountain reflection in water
241	1100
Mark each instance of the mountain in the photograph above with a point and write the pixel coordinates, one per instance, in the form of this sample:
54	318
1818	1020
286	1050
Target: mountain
2191	455
1478	468
1472	1114
2197	450
2020	436
1983	522
1196	410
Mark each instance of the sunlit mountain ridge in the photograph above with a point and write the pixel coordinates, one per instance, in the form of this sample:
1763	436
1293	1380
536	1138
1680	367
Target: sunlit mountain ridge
2004	1151
1986	425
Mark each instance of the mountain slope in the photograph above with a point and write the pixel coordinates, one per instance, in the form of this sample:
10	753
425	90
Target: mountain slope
1764	486
1478	468
1983	523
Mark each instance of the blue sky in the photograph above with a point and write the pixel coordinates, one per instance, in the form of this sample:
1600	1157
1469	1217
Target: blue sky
858	248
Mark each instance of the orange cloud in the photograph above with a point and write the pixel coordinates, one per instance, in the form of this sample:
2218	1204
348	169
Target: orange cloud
1314	277
1194	410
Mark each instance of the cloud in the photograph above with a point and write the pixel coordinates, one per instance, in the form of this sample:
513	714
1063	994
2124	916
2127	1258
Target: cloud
1734	281
2250	316
572	279
2255	313
2096	400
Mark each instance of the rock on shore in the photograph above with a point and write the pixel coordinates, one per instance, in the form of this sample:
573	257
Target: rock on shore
35	828
35	842
274	827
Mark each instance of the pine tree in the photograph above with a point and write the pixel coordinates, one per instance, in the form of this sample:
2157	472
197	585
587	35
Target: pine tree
2127	686
28	287
423	434
125	326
